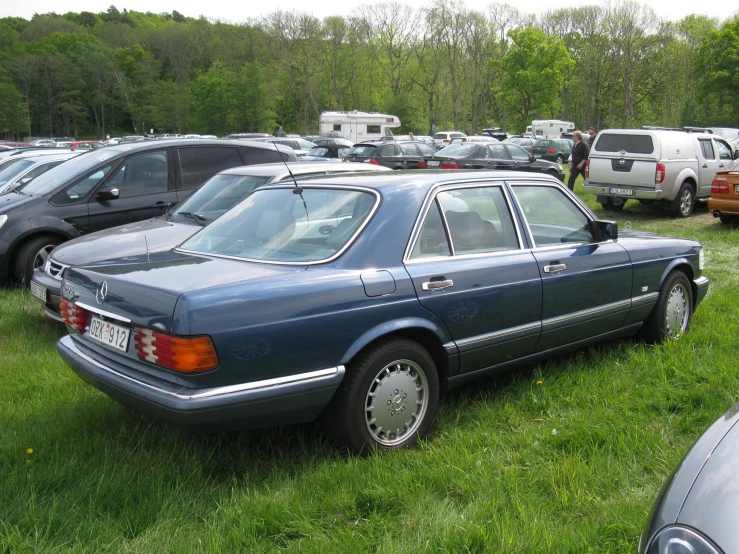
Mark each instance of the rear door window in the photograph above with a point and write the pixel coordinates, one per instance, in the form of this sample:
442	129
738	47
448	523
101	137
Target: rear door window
255	155
631	144
426	150
707	149
387	151
198	164
408	149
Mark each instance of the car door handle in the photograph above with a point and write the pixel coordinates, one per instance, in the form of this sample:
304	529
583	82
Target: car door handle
437	285
554	268
161	204
705	165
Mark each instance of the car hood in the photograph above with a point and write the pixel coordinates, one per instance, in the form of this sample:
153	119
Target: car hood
697	476
156	235
713	501
11	201
145	288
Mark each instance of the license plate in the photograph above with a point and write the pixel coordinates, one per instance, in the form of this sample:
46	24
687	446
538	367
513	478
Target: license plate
38	291
109	333
433	163
622	192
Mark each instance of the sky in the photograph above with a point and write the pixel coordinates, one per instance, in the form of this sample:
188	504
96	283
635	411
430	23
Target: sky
238	11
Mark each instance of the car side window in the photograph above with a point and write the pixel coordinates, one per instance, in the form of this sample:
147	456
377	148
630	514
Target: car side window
142	174
426	150
518	153
387	151
552	216
82	187
724	152
496	152
432	240
408	149
707	149
38	170
198	164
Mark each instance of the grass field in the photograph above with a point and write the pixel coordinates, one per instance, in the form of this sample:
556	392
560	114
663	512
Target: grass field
565	456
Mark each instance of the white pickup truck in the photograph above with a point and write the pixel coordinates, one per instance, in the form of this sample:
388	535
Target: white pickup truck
674	167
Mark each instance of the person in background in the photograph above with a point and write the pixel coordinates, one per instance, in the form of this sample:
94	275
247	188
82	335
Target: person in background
410	136
580	152
592	131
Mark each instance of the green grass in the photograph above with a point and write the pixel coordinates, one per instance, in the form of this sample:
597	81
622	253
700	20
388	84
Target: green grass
569	465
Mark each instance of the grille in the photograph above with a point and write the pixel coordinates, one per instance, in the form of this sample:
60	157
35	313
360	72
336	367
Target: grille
55	269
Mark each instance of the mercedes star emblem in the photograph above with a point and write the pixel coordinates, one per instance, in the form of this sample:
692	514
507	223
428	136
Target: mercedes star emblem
102	292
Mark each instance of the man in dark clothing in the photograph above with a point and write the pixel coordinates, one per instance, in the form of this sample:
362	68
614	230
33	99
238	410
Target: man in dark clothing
592	132
580	152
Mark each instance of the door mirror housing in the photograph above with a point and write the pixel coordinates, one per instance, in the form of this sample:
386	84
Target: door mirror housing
736	154
532	158
108	193
603	230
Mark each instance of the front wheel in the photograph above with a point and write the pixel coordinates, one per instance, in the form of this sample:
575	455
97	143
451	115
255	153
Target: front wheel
673	312
32	255
387	400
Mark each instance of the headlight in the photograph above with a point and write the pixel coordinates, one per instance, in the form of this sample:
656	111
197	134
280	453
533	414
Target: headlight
701	258
3	219
679	540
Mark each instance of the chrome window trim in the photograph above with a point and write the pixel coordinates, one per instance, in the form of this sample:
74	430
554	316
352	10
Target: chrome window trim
590	216
215	391
104	313
431	197
368	218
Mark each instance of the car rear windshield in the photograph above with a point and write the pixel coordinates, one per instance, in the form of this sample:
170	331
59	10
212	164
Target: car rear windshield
362	150
277	225
460	150
631	144
218	195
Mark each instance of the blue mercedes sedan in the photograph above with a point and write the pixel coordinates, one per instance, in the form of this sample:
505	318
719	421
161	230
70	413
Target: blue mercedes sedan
361	298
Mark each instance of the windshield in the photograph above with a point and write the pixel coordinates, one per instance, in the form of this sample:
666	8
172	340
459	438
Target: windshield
10	171
321	151
64	173
461	150
220	194
277	225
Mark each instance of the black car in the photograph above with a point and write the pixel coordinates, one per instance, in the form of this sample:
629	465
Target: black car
401	154
554	150
695	512
495	132
490	155
325	152
109	187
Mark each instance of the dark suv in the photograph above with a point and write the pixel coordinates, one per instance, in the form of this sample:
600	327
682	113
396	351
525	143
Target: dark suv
554	150
400	154
108	187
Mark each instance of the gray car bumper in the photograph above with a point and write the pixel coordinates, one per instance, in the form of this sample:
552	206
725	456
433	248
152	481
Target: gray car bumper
53	290
700	288
281	401
638	193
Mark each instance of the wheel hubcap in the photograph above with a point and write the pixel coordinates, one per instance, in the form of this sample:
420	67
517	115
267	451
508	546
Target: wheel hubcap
686	200
677	311
42	255
396	402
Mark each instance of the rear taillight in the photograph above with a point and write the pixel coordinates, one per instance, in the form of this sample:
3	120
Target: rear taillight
530	149
445	140
183	354
74	317
449	165
373	161
659	174
587	169
719	185
422	164
550	150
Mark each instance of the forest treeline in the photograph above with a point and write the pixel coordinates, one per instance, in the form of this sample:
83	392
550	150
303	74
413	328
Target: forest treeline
610	65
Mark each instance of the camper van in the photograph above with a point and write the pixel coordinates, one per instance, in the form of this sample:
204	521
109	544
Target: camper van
357	126
550	128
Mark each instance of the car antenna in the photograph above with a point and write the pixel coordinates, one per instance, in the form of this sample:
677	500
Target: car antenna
146	242
297	189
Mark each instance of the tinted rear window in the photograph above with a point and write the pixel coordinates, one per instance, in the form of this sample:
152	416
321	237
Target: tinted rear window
631	144
363	150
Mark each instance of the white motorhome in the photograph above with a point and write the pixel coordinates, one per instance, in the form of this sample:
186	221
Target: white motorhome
357	126
550	128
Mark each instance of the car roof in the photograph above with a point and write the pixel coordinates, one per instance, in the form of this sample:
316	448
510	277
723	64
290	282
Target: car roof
125	147
301	168
423	179
51	158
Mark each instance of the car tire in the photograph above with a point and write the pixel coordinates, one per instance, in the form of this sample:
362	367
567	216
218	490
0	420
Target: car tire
553	174
559	159
394	382
32	255
613	204
685	201
673	312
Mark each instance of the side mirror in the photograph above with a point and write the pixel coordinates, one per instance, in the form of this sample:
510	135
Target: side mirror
532	158
108	193
736	154
603	230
